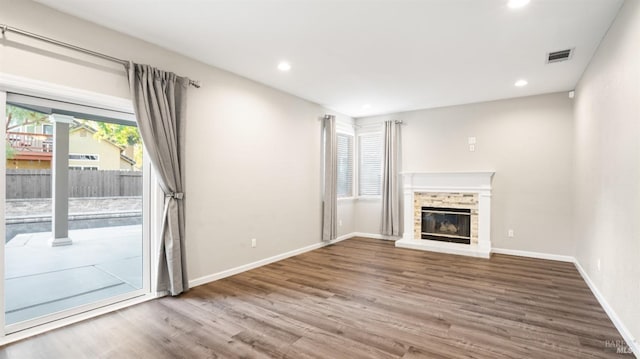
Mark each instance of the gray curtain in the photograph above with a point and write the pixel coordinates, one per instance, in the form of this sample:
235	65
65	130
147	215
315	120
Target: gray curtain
391	182
330	179
159	100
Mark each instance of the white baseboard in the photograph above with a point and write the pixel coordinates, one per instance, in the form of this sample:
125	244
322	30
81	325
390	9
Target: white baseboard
249	266
626	334
374	236
539	255
342	238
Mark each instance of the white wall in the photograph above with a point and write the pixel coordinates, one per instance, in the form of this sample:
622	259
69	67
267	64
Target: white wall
527	141
253	153
607	177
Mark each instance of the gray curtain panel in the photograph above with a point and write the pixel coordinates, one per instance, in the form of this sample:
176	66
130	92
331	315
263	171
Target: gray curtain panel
159	100
330	179
391	182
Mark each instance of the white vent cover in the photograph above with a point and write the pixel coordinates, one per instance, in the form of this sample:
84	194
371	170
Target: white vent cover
559	56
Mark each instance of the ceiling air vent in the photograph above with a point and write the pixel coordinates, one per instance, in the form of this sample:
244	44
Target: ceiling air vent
557	56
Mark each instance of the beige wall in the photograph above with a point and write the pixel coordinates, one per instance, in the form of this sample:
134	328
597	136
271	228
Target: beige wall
126	166
527	141
346	216
82	141
253	153
607	192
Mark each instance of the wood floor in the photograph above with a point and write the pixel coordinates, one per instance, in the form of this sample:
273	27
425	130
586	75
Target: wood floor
360	298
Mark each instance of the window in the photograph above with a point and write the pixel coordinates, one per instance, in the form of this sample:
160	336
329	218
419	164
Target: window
370	164
83	157
345	165
47	129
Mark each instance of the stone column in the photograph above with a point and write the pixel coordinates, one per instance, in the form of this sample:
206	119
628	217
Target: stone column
60	181
408	212
484	221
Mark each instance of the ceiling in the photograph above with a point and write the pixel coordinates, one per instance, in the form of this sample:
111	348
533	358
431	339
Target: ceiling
372	57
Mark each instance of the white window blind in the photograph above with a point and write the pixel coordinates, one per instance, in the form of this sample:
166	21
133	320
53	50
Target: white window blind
370	164
345	165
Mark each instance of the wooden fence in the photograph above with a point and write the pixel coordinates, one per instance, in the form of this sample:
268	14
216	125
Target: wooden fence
82	183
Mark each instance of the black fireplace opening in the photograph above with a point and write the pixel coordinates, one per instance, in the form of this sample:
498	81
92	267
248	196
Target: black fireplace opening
446	224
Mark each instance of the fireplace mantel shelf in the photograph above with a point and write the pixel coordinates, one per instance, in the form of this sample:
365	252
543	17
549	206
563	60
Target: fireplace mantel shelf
449	182
455	173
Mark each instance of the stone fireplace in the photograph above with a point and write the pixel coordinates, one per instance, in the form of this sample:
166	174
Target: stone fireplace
448	212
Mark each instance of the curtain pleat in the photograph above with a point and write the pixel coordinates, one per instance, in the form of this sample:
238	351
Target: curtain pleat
391	223
330	179
159	100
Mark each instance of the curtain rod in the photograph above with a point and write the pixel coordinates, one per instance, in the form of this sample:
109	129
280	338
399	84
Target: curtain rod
6	28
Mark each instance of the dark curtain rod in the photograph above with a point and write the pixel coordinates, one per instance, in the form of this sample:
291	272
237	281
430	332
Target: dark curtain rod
6	28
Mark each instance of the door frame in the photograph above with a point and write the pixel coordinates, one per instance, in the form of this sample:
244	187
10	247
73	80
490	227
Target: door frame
152	209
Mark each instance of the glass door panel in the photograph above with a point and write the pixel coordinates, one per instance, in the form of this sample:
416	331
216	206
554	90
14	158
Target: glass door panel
86	182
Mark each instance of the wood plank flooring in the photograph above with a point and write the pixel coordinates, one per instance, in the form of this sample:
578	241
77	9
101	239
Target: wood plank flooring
360	298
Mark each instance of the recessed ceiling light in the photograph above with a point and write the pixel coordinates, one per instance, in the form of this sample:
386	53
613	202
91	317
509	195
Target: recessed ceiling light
521	83
284	66
515	4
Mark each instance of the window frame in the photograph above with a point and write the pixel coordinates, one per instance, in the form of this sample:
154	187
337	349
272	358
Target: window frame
351	136
366	129
97	157
361	134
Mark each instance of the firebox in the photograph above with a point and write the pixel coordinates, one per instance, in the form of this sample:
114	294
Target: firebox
446	224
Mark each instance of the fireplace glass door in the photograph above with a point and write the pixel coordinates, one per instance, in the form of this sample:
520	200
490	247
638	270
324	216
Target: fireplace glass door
446	224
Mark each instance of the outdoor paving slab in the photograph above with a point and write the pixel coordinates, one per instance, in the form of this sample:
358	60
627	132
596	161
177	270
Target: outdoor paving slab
40	279
67	303
30	253
54	286
128	270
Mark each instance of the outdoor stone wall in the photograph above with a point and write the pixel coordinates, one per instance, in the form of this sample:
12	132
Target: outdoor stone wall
36	209
445	200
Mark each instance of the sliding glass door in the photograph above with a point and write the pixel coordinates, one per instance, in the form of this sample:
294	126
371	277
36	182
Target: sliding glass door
75	210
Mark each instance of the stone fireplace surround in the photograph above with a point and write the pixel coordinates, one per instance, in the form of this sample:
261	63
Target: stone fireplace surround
448	189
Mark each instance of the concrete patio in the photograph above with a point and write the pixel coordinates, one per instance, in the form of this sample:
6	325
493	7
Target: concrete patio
40	279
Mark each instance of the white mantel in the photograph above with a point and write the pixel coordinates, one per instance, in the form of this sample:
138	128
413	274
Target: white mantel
454	182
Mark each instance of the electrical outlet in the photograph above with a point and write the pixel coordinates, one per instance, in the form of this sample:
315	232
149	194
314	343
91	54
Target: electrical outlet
340	223
510	233
471	140
472	148
253	242
599	265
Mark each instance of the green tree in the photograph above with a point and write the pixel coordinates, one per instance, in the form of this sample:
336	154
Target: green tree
119	134
18	116
9	151
122	135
